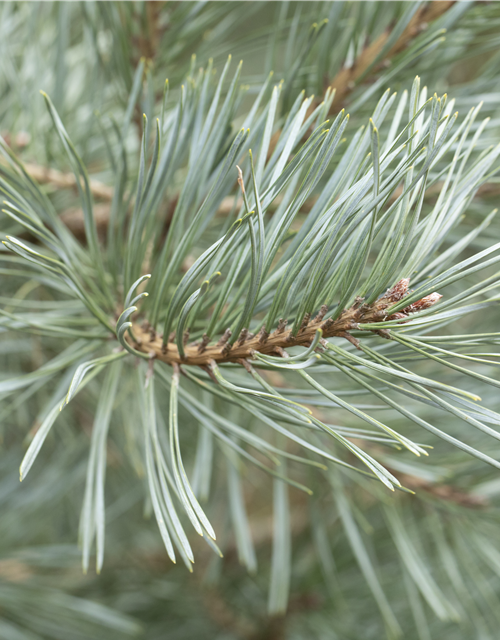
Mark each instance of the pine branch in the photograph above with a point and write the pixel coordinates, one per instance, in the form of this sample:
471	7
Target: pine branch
74	218
203	355
75	222
60	180
363	234
385	202
148	42
448	493
347	78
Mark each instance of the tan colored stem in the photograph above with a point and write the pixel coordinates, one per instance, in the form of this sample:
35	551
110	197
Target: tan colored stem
148	343
345	80
44	175
74	220
445	492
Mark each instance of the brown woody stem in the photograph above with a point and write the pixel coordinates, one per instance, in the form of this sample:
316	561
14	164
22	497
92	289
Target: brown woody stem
345	80
348	320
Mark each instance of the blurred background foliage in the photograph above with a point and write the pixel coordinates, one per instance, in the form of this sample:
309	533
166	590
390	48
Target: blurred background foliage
356	568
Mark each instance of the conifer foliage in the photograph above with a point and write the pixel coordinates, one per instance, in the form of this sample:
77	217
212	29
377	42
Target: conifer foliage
224	295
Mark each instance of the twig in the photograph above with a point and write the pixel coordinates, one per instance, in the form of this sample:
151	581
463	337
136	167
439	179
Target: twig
445	492
44	175
346	79
281	338
74	219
